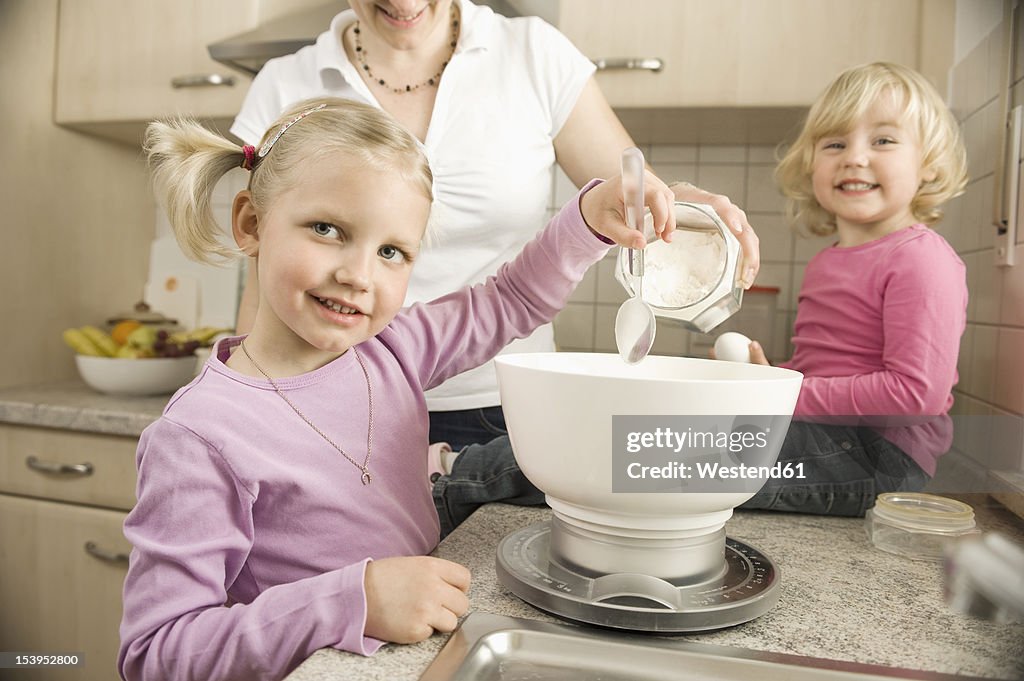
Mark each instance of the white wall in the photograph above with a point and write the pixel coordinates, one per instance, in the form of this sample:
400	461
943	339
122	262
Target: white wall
975	19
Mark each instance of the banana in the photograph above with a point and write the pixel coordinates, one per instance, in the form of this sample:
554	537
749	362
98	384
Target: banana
101	340
81	344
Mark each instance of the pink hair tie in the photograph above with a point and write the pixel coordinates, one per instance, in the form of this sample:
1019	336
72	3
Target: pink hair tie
249	162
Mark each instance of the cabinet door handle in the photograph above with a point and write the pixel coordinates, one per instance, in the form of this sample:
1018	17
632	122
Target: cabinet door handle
202	80
653	64
107	556
81	469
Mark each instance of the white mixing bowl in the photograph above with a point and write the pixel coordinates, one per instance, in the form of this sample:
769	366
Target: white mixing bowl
559	408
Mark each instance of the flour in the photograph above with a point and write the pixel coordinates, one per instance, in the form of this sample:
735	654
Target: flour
684	271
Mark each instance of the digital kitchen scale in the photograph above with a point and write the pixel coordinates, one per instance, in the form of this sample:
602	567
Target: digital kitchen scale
739	584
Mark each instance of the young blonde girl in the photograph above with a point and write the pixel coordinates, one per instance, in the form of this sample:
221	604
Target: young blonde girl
282	497
881	312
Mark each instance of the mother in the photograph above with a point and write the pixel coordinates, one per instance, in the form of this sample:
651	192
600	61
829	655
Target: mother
496	102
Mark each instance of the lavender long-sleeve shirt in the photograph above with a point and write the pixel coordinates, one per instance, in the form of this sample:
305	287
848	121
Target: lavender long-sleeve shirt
251	534
877	334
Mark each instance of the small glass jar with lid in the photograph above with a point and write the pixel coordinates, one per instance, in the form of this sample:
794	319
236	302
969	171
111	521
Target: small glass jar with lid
918	525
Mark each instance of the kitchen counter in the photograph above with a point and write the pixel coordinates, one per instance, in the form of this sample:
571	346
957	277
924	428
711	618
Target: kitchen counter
72	405
841	599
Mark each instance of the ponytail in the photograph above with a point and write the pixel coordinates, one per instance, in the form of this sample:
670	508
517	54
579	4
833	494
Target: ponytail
187	161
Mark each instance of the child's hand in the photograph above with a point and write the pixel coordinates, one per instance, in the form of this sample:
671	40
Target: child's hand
604	211
757	354
409	598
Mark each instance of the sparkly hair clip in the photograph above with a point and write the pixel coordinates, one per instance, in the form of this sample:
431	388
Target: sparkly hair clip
249	162
269	144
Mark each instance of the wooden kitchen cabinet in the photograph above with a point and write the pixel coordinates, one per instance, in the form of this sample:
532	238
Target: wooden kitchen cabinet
117	61
63	557
743	53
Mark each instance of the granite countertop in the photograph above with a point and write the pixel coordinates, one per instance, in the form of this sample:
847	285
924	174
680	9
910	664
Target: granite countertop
841	599
72	405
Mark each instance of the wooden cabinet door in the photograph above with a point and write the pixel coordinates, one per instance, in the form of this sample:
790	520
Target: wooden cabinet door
116	60
720	53
55	595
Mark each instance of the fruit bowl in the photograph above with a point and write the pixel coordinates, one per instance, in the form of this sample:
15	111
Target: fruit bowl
136	377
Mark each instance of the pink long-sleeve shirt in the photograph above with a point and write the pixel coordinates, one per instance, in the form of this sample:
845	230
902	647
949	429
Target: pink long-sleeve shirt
251	534
877	335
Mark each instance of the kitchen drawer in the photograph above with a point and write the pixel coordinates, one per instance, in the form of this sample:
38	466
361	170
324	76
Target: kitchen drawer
98	470
62	569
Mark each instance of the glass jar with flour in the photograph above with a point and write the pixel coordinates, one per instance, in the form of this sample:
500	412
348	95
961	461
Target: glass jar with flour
694	279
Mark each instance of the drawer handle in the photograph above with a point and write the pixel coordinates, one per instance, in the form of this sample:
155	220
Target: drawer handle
202	80
653	64
82	469
107	556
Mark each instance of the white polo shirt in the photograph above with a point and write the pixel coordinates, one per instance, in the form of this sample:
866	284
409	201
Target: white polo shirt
509	88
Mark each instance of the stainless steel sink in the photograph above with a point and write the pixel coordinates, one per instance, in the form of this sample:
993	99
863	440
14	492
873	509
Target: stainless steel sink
492	647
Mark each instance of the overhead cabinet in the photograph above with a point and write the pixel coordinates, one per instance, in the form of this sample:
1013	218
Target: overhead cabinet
121	64
727	53
743	71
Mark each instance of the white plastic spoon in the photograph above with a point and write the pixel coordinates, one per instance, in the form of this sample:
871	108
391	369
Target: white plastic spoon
634	323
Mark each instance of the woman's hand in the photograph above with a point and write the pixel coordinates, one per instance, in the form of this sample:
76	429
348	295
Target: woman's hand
734	218
604	211
409	598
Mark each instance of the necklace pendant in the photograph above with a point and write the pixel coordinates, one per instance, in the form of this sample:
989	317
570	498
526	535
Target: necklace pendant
366	478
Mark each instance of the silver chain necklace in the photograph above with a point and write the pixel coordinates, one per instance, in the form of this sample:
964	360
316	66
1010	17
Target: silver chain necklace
366	477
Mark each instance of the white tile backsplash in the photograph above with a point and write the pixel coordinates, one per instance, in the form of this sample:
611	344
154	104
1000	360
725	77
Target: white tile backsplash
983	362
574	327
671	171
984	282
730	180
1012	303
763	194
608	290
1008	391
775	236
673	153
713	153
604	331
762	153
806	247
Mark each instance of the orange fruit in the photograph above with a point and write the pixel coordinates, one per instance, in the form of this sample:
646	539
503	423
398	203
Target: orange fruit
121	330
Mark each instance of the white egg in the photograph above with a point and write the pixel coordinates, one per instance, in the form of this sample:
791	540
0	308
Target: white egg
732	347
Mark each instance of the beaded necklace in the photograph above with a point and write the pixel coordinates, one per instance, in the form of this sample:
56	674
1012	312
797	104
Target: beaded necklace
429	82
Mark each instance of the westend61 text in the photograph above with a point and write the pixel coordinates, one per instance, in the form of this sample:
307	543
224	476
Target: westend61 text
715	471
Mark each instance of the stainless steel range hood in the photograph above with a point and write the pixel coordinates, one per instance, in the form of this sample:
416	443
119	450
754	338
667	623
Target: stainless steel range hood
249	51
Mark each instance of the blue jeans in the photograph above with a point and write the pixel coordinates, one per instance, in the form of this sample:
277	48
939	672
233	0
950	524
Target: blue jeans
481	474
846	468
467	427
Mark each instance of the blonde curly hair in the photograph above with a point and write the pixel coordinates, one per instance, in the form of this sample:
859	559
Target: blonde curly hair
835	111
